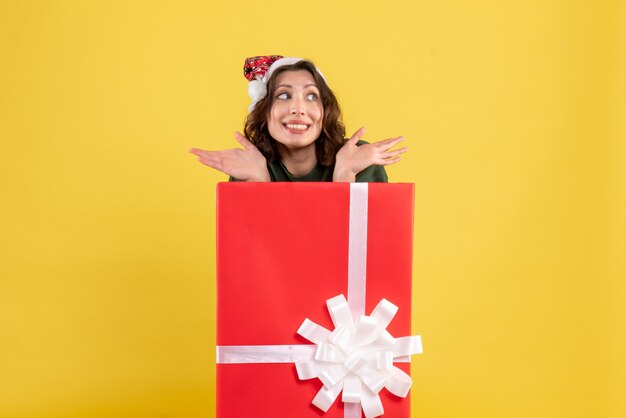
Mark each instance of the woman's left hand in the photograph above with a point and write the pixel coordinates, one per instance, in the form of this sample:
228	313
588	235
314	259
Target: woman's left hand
352	159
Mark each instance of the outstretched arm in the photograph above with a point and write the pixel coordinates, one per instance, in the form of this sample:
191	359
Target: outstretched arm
247	164
352	159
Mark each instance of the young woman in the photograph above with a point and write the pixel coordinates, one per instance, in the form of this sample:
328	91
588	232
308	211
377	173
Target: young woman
294	131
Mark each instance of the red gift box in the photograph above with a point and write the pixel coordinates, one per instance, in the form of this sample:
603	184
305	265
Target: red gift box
282	251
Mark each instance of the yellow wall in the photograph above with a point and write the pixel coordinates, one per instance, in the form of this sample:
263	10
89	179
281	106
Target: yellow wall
514	115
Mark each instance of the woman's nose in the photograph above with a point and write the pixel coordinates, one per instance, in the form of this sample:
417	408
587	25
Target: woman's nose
297	107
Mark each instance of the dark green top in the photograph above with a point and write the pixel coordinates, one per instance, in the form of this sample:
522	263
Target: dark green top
278	172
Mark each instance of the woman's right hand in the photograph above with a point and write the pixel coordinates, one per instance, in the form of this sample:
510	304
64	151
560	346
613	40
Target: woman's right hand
247	164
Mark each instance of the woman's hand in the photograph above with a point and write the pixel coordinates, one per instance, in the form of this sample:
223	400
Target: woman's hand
352	159
247	164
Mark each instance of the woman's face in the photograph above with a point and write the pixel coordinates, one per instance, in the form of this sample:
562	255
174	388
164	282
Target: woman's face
297	113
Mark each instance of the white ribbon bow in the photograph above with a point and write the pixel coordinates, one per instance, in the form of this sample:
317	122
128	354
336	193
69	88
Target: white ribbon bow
357	357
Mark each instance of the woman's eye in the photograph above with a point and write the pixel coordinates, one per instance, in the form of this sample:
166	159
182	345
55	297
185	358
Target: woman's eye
283	96
311	96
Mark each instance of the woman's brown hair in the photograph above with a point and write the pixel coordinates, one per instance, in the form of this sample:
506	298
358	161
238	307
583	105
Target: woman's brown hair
333	131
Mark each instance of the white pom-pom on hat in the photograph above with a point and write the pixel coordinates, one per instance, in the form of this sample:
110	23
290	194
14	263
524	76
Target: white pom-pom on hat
256	90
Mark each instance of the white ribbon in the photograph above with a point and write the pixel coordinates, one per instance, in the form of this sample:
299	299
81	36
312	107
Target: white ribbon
357	248
264	353
356	357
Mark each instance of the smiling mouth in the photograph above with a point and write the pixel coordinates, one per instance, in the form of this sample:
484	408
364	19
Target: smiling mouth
296	126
